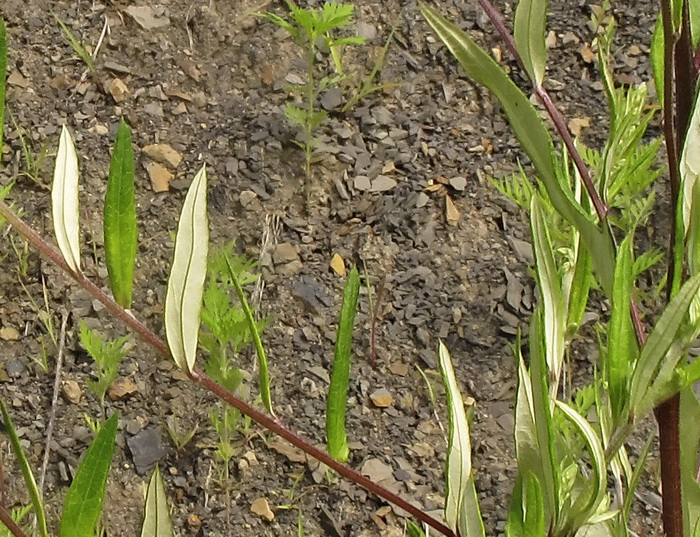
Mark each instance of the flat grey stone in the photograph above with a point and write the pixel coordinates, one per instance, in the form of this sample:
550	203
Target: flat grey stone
146	449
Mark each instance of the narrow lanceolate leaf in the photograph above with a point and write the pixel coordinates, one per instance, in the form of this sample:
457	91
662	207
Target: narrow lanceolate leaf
83	504
660	340
529	32
690	162
120	218
621	353
689	444
263	370
64	200
156	518
338	390
590	498
462	513
27	475
532	135
550	286
3	73
183	299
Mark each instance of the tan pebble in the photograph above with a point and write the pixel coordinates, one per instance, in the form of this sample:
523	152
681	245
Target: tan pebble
382	398
160	176
122	387
261	507
118	90
9	334
72	392
163	154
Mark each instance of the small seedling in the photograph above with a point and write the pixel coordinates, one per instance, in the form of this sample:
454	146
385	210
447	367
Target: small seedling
33	161
180	435
107	354
46	319
313	31
78	47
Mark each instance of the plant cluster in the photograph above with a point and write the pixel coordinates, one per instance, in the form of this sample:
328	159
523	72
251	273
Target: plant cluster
575	476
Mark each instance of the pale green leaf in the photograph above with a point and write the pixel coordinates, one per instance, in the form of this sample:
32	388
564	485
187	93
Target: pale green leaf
690	162
461	502
689	444
550	286
532	135
183	300
64	201
529	33
156	519
660	340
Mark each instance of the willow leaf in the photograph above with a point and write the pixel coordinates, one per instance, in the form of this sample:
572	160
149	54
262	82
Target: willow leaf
64	201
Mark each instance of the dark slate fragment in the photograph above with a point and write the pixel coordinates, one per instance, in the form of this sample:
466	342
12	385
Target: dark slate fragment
146	449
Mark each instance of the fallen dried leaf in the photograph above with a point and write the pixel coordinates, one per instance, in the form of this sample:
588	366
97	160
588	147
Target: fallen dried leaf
122	387
577	124
587	53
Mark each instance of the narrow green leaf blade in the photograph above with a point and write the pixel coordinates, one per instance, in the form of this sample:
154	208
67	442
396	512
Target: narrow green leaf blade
621	353
689	444
83	504
120	233
462	512
529	30
336	435
660	341
3	76
263	370
532	135
156	519
550	285
183	299
64	201
27	475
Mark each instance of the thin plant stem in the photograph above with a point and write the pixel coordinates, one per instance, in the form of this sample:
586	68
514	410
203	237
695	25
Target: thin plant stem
54	403
267	421
10	524
553	112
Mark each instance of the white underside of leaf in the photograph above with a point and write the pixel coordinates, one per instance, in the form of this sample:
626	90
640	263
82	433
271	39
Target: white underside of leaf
183	300
156	519
461	504
64	201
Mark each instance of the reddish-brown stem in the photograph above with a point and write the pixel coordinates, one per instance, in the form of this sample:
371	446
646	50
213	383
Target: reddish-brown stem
11	525
263	419
553	112
296	440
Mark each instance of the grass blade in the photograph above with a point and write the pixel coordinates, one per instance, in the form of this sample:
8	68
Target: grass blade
532	135
64	201
83	504
120	233
462	512
183	299
263	370
27	476
3	76
529	33
156	519
338	390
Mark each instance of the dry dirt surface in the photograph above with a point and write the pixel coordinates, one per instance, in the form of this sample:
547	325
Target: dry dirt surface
401	186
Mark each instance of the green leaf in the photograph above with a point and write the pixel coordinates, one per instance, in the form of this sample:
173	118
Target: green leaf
336	435
462	513
183	299
621	353
414	529
660	341
83	504
64	201
689	444
579	288
27	475
156	518
263	371
120	233
550	285
3	75
529	33
532	135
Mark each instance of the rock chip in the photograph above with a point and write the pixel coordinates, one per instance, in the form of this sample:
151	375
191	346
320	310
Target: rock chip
160	176
163	154
382	398
146	449
284	253
261	507
72	392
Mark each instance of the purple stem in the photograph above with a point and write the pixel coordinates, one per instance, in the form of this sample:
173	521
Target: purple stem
553	112
263	419
11	525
